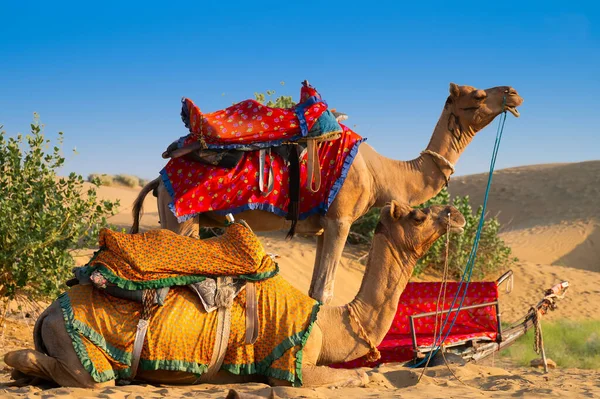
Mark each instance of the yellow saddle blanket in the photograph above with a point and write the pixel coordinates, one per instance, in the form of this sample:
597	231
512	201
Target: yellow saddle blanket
181	334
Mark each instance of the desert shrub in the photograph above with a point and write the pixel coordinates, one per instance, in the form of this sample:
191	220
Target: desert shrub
279	102
127	180
122	180
104	179
43	217
569	343
492	254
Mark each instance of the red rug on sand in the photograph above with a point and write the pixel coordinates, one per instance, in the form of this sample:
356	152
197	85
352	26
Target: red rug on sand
197	188
422	298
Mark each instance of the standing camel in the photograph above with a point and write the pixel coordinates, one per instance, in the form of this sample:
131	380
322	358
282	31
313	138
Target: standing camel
341	333
373	180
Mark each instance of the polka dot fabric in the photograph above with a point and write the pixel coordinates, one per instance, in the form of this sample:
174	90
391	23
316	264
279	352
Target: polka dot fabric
422	298
252	123
197	188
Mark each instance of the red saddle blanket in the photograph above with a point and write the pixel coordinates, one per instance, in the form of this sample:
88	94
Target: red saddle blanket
197	188
418	298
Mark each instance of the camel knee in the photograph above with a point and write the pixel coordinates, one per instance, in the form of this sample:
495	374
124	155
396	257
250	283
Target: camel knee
23	360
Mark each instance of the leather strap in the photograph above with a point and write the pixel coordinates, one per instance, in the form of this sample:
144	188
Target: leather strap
221	337
138	344
314	167
262	154
251	313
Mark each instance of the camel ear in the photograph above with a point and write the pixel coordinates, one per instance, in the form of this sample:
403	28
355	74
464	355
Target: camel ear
397	210
454	90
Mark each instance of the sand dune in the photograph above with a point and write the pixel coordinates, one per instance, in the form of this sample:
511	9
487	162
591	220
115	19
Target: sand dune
550	213
537	195
551	221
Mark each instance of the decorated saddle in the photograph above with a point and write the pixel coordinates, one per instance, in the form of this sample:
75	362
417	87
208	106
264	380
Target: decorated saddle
289	161
250	322
250	125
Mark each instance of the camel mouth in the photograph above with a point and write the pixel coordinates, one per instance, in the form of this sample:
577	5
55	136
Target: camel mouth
456	224
457	229
514	111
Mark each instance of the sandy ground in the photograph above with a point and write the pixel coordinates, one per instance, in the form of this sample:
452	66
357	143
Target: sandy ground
551	221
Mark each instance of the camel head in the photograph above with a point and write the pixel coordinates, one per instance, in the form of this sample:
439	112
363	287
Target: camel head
471	109
412	231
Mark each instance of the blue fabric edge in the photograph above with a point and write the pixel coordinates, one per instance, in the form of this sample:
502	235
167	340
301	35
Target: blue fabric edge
345	168
299	111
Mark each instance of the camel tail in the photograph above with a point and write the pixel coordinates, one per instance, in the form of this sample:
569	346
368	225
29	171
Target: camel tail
138	204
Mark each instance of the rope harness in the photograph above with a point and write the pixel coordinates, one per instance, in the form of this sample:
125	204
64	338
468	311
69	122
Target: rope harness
438	157
373	354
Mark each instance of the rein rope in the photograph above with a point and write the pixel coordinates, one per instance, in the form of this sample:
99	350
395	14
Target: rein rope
441	297
468	272
373	354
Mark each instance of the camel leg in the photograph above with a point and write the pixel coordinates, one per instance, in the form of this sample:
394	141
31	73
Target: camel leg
61	365
168	220
318	255
315	376
323	278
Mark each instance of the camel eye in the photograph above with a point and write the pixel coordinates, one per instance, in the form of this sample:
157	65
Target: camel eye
418	217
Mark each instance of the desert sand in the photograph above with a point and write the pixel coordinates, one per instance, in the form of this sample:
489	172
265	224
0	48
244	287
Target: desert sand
551	220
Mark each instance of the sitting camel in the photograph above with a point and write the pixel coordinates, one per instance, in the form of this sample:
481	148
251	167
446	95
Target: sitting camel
340	334
373	180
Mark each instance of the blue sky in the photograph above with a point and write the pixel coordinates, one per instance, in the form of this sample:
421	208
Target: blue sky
111	75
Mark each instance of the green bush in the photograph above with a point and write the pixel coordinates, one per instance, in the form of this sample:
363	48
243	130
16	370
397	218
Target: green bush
121	180
104	179
492	254
569	343
43	217
127	180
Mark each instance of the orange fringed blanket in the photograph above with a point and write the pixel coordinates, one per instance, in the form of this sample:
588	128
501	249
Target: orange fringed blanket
161	258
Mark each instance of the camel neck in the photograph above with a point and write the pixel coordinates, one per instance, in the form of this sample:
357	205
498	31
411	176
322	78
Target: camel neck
420	179
386	275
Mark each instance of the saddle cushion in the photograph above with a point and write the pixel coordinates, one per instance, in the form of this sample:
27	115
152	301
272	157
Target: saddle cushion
250	123
181	334
160	258
197	188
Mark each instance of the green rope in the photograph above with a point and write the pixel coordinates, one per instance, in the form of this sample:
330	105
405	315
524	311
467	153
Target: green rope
468	272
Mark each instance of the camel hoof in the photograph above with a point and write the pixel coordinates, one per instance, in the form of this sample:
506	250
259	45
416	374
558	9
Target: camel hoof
17	375
360	379
21	379
363	377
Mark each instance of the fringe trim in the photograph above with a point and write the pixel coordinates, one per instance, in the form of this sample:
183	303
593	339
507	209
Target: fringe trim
264	367
170	281
79	347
